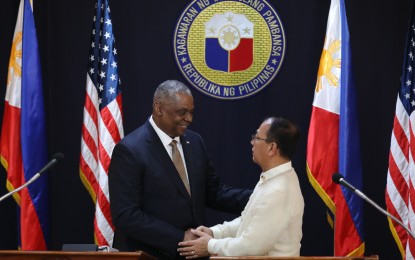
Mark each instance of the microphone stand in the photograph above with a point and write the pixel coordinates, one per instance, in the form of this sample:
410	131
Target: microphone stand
371	202
57	157
37	175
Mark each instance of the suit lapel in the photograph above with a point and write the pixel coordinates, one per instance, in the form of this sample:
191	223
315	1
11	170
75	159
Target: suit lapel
155	146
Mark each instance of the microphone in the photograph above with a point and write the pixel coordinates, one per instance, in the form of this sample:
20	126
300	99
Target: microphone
339	179
56	158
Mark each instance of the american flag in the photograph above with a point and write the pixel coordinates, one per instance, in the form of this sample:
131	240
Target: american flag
102	121
400	200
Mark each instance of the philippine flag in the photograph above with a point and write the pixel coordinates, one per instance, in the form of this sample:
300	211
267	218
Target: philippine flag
229	42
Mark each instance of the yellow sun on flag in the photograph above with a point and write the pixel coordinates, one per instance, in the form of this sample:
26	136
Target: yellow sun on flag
15	58
327	63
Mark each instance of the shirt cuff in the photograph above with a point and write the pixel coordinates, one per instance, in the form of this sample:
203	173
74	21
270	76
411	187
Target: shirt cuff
211	246
216	232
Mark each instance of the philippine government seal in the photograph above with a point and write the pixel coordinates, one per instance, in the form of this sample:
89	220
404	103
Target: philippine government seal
229	49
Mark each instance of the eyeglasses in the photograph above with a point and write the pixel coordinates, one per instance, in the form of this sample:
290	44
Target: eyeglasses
254	138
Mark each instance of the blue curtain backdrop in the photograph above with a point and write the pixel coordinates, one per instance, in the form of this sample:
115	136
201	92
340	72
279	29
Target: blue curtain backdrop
144	32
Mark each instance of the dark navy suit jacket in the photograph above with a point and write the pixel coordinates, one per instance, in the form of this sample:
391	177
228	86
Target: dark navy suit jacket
150	206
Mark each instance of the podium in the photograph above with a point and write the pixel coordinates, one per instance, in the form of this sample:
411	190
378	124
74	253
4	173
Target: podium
65	255
140	255
375	257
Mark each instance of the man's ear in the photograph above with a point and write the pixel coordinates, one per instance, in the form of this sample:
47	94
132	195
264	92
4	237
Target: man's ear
157	108
274	148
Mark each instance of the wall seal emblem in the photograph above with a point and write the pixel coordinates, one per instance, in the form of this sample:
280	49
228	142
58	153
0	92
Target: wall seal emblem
229	49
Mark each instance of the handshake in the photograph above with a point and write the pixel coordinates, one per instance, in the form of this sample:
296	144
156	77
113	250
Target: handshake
195	242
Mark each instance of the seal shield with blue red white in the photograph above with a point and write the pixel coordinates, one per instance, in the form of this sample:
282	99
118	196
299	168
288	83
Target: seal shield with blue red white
229	42
229	49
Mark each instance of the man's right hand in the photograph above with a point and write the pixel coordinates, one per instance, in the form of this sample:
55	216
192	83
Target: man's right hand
205	230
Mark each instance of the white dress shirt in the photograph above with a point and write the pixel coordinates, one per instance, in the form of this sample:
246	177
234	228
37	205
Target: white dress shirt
166	140
271	223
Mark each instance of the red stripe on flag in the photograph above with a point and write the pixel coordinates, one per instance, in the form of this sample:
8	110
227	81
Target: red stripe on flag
411	242
89	176
110	123
401	137
411	144
100	239
90	107
411	214
398	179
89	141
105	207
400	231
104	158
119	102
